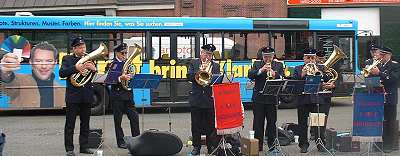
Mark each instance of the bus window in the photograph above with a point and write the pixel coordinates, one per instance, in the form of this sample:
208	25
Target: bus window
255	42
135	38
325	43
295	43
215	39
161	47
237	49
185	47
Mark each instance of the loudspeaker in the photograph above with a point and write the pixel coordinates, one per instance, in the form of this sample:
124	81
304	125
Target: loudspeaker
94	139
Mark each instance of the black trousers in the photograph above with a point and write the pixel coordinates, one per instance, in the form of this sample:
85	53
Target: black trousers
262	111
389	126
303	112
203	122
72	110
121	107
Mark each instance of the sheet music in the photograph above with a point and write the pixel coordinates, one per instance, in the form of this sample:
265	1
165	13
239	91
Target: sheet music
99	78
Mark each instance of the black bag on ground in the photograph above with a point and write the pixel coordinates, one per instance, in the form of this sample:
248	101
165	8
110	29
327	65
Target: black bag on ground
232	144
94	138
154	142
286	133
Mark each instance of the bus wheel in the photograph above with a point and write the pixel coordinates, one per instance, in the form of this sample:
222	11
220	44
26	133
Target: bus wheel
100	102
288	102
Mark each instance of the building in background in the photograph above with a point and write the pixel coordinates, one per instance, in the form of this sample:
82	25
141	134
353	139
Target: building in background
174	8
378	19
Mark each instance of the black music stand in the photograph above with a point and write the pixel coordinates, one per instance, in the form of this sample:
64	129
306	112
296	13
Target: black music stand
293	88
312	87
105	81
273	88
145	81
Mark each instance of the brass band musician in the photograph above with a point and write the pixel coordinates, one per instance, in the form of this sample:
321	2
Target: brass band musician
201	73
264	106
77	99
121	99
308	102
389	73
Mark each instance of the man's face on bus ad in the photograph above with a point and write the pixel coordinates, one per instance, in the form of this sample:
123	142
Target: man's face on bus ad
79	50
205	55
43	63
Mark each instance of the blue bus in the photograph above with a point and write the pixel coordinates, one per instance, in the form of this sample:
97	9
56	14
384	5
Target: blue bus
169	44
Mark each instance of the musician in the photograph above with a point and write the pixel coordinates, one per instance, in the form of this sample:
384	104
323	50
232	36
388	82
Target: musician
389	73
77	99
264	105
121	99
201	101
320	57
376	55
308	103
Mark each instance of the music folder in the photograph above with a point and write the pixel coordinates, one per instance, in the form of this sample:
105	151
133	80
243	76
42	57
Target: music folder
293	87
99	78
149	81
312	84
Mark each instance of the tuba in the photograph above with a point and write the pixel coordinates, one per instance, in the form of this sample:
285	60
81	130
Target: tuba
336	55
204	75
366	71
128	68
78	79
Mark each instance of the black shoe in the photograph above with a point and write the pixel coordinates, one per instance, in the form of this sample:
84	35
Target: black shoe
70	153
86	151
196	151
123	145
303	149
387	150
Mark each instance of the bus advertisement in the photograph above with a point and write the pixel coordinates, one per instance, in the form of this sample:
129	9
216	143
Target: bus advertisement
169	45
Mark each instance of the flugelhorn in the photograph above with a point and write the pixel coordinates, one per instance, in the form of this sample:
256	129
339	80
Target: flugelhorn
79	79
366	71
128	68
204	75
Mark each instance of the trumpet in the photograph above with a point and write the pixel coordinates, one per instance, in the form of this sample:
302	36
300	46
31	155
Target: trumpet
203	76
367	71
269	72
